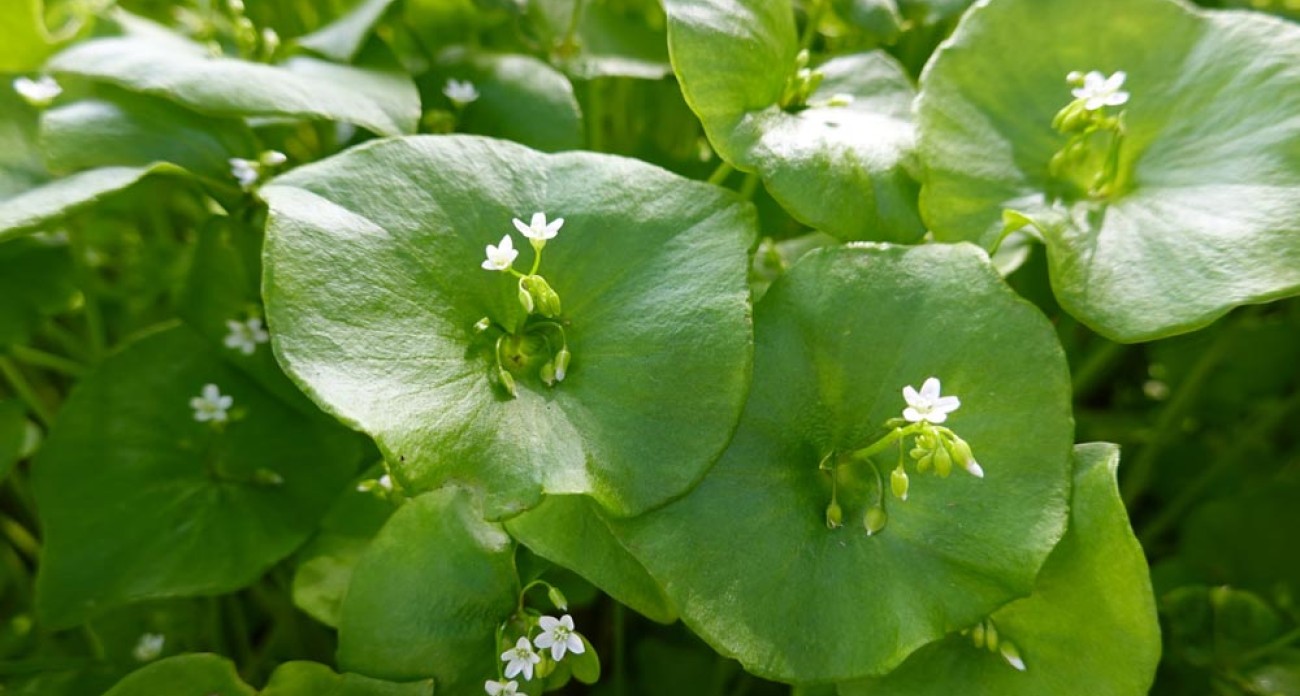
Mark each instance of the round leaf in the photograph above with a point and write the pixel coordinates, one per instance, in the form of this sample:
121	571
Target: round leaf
139	500
1208	218
199	674
747	557
385	103
373	308
427	597
1089	629
842	169
44	204
313	679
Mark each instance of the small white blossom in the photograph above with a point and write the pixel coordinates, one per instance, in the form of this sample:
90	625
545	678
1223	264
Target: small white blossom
928	405
460	93
501	688
500	257
273	158
1099	90
245	171
40	92
245	335
386	482
211	405
149	647
520	658
559	636
539	229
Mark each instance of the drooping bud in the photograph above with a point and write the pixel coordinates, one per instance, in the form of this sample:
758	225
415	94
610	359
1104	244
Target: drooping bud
507	381
961	454
898	483
557	598
525	297
547	300
1011	654
272	158
875	519
547	373
834	515
562	363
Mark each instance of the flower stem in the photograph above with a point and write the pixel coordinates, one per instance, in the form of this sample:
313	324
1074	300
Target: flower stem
25	391
40	358
720	174
883	443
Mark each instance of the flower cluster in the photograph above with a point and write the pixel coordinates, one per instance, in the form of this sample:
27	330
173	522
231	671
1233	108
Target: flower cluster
527	657
245	336
211	406
536	297
1091	128
248	172
985	635
461	94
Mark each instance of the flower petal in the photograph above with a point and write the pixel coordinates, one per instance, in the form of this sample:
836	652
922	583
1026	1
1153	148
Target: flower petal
525	230
947	404
575	645
910	396
930	390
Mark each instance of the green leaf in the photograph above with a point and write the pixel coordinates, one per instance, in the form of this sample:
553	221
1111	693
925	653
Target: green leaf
36	281
43	205
27	41
586	667
21	165
427	597
324	568
373	306
1206	221
567	530
343	38
13	435
314	679
124	129
138	500
1090	627
733	58
383	102
520	99
199	674
747	557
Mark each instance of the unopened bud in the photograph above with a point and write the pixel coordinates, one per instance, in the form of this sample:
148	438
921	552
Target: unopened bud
840	99
525	297
898	483
1012	655
962	455
1074	77
977	635
562	363
273	158
557	598
270	41
991	637
875	519
942	462
547	373
548	301
801	59
482	325
834	516
507	381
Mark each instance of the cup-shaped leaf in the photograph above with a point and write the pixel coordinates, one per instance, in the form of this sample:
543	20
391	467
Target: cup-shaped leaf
138	499
1089	628
373	307
842	164
747	556
1205	214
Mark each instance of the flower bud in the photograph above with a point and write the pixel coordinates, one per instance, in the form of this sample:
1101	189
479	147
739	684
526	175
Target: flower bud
991	637
942	462
801	59
557	598
1011	654
562	363
875	519
272	158
267	477
547	373
507	381
977	635
898	483
525	297
482	325
548	301
834	515
924	462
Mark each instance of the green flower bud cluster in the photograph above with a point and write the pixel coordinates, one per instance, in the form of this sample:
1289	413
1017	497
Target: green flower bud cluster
938	448
984	635
1090	158
800	85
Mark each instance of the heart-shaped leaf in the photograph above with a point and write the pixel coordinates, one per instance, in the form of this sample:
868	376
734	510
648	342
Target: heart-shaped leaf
382	102
748	558
374	306
138	499
1089	629
840	165
427	597
1204	216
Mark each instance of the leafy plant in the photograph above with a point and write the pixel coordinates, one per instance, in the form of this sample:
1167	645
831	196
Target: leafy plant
625	347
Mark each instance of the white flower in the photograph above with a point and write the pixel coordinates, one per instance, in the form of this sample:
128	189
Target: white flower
149	647
499	258
520	658
244	336
558	635
539	229
928	405
501	688
245	171
460	93
38	93
1100	90
212	405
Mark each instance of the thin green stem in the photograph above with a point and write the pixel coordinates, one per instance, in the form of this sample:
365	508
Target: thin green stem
883	443
50	361
97	336
814	22
1143	469
720	174
574	18
24	390
1271	647
749	186
20	539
